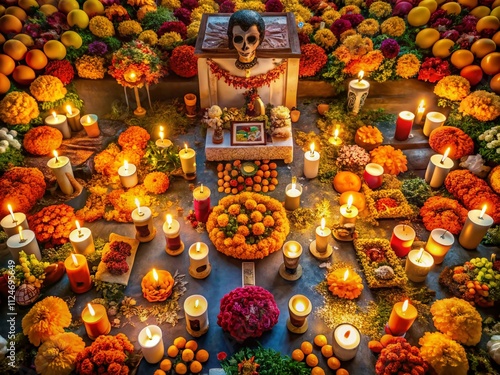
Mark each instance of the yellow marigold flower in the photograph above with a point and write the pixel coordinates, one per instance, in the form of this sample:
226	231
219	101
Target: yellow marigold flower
358	3
238	239
325	38
330	16
300	11
210	3
268	221
46	318
408	65
307	28
243	230
452	88
346	34
393	26
393	161
198	12
222	220
47	89
140	3
234	209
129	28
92	67
261	208
141	13
149	37
18	108
169	40
445	355
58	354
256	216
256	5
101	27
157	182
193	29
242	219
250	204
171	4
358	46
228	242
350	9
258	229
380	9
482	105
369	27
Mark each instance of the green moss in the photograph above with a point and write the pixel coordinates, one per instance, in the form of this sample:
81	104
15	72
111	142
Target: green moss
154	20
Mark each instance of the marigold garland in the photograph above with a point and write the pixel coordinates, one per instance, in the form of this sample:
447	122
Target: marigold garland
457	140
243	82
53	224
446	213
22	188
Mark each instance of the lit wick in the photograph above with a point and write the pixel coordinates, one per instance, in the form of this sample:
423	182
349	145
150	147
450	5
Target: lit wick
323	223
420	255
360	75
125	165
349	204
405	306
198	247
346	275
14	221
445	155
75	260
482	212
139	212
312	149
56	156
148	333
54	115
201	188
185	148
79	229
294	182
442	236
169	221
69	110
196	303
91	309
336	133
21	238
155	276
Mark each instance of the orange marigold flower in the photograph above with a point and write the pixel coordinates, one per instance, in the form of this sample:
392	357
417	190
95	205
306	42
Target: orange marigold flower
258	229
157	182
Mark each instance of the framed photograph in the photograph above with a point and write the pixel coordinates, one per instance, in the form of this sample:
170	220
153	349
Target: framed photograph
248	133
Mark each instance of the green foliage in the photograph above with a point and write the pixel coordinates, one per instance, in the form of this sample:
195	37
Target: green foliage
110	291
162	159
113	43
271	362
416	191
479	362
407	43
23	128
86	35
72	54
492	237
11	158
70	97
153	20
386	71
335	73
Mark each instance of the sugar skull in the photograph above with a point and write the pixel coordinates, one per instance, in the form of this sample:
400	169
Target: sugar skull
246	30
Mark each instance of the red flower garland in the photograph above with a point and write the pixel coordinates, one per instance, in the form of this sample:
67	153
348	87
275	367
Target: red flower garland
243	82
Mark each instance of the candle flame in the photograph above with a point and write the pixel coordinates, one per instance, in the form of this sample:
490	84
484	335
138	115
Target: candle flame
420	255
88	120
9	207
421	107
125	164
445	155
360	75
185	147
91	309
77	223
323	223
196	303
300	306
198	247
347	334
75	260
346	275
155	275
148	333
483	211
138	206
54	115
169	221
21	238
162	135
69	110
349	202
336	133
292	248
201	188
405	305
312	148
161	128
55	155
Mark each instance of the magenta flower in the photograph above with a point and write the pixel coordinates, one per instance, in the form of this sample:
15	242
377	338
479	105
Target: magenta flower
183	15
354	19
339	26
390	48
274	6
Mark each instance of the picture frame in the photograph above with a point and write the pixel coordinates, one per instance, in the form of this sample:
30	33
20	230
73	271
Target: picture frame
248	133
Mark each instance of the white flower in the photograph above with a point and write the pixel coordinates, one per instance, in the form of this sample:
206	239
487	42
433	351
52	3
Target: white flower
214	111
280	112
488	138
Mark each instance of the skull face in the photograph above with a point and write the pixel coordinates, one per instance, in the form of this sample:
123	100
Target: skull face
246	42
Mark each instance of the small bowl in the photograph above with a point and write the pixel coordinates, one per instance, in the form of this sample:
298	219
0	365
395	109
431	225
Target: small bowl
249	169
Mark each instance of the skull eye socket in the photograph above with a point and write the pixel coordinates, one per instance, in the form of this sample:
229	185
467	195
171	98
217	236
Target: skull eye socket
238	39
252	39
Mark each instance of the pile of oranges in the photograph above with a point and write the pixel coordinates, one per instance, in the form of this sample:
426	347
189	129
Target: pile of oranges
231	180
186	358
305	352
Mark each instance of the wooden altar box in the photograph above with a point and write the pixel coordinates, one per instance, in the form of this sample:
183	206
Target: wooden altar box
280	45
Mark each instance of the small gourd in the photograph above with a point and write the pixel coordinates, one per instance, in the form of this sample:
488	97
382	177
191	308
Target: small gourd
27	294
493	347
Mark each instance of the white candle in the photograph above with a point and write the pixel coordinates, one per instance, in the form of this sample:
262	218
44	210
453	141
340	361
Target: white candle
198	260
91	126
346	339
475	228
433	120
438	168
73	115
162	142
13	221
151	342
143	223
293	192
128	174
439	243
418	265
82	240
60	123
299	308
188	160
25	241
60	166
195	309
420	112
358	91
348	212
322	235
311	162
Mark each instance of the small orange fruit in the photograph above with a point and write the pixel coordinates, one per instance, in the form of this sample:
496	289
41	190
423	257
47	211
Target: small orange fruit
320	340
345	181
195	367
306	347
327	351
187	355
166	364
191	344
180	342
172	351
181	368
342	371
312	360
333	363
202	355
159	372
317	371
298	355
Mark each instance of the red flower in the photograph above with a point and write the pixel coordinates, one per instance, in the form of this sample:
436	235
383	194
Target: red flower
183	62
61	69
221	356
312	61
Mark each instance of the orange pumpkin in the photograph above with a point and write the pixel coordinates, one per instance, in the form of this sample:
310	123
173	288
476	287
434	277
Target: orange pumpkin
358	199
346	181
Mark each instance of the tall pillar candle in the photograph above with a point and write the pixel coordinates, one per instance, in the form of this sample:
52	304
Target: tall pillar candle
438	168
78	273
13	221
402	316
25	241
322	235
60	123
82	240
358	91
128	174
151	342
91	125
73	116
403	125
418	265
143	223
346	340
188	160
402	238
196	312
199	266
293	193
439	243
96	321
433	120
475	228
201	201
172	229
60	166
311	163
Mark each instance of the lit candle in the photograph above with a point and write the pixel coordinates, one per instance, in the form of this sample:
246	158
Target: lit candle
91	126
299	308
163	143
403	315
199	266
73	115
82	240
143	223
346	339
311	162
201	200
188	160
348	212
373	175
78	273
322	235
418	265
171	228
95	319
151	342
60	123
403	125
10	223
25	241
438	168
293	192
157	285
335	140
358	91
195	309
61	166
433	120
438	244
475	228
401	240
290	269
128	174
420	112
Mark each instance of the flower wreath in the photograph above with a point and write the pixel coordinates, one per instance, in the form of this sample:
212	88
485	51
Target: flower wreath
247	82
446	213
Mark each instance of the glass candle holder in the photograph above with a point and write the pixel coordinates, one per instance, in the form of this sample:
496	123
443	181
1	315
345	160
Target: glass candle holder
299	308
290	269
